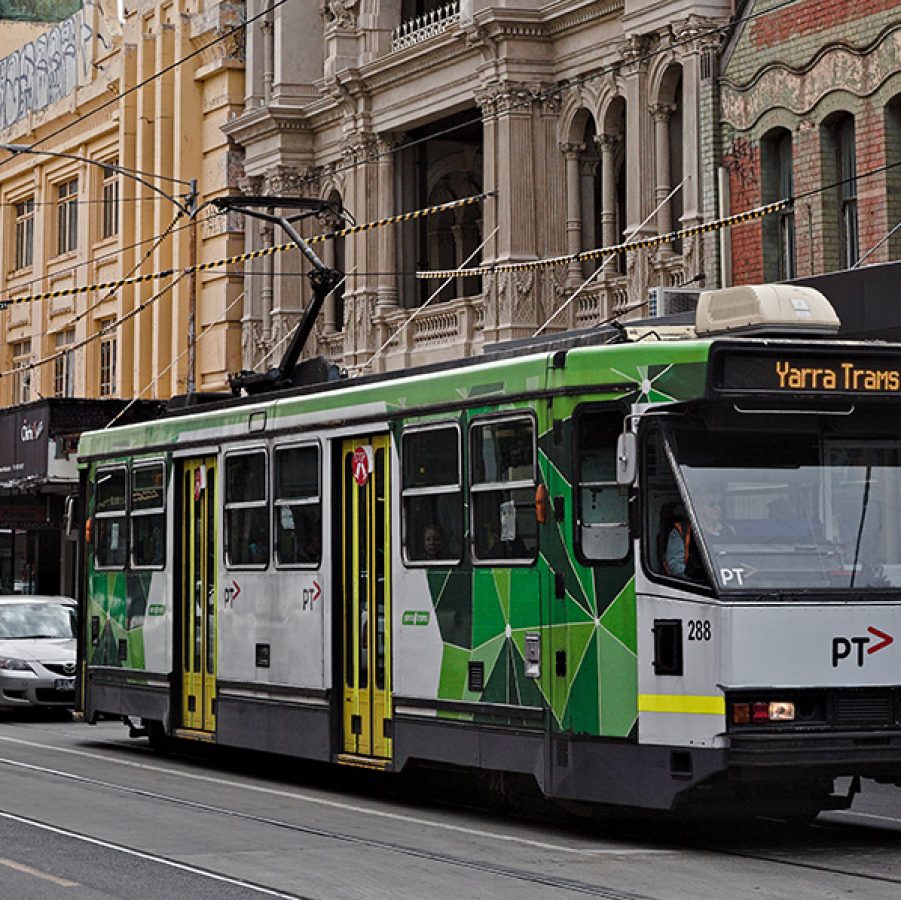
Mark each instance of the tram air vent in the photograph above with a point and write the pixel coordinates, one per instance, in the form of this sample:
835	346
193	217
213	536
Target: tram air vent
770	309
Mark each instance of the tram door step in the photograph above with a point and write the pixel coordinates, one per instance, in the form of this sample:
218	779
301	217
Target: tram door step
192	735
364	762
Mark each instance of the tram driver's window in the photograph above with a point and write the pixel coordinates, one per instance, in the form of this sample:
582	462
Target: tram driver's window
603	514
110	532
148	516
502	487
432	496
246	510
298	506
672	549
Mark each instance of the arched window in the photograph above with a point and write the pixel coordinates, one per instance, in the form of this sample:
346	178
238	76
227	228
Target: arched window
841	248
846	164
777	183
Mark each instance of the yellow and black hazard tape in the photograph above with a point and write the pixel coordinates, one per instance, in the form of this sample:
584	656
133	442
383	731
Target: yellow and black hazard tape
244	257
649	242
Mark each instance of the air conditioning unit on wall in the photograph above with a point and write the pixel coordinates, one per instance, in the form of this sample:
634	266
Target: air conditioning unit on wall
667	301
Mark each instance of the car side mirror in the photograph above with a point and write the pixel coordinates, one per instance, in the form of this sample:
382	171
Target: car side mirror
72	516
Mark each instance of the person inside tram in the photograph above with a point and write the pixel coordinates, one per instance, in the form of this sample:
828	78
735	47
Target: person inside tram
433	541
683	554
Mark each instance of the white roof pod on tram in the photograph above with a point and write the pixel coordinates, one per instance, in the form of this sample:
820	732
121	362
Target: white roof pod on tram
771	309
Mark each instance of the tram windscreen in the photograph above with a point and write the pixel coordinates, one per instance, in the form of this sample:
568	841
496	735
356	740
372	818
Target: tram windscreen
783	510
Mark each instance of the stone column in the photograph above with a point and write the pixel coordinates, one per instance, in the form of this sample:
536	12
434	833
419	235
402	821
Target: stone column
386	289
267	33
608	144
698	53
639	135
661	114
571	155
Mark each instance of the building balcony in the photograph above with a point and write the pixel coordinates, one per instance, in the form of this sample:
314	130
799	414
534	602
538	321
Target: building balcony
415	31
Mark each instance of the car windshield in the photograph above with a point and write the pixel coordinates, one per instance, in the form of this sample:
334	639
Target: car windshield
794	510
36	620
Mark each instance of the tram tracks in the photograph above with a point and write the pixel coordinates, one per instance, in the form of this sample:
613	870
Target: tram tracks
666	842
494	869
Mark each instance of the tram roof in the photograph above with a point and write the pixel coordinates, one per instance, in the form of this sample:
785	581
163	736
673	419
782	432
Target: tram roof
502	378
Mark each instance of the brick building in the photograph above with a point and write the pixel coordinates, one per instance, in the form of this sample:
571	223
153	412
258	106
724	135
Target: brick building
810	94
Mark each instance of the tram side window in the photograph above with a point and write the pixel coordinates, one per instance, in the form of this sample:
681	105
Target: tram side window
148	516
603	516
298	507
110	530
432	496
246	510
671	549
502	487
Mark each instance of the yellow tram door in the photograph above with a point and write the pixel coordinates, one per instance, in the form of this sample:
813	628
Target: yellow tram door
198	595
366	597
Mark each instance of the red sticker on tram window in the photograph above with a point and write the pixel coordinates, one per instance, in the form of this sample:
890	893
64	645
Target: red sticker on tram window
361	464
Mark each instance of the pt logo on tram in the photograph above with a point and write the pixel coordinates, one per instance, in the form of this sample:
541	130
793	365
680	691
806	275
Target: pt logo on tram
853	647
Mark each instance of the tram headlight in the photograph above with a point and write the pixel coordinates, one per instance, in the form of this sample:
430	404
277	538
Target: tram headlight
782	711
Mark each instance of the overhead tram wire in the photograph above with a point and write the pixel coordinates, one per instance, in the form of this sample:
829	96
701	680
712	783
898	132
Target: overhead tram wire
403	327
107	329
607	259
730	221
249	255
150	251
154	381
887	236
74	267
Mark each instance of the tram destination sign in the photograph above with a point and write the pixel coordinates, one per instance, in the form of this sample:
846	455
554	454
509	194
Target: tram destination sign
803	371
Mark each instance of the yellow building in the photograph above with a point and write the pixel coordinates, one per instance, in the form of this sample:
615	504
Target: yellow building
148	94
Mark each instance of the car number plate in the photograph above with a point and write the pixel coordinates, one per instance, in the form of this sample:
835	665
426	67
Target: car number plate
64	684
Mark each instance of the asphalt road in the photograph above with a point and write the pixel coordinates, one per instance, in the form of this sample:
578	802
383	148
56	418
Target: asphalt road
86	813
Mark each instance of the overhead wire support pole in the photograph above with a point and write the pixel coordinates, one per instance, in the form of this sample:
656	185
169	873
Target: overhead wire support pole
322	278
192	289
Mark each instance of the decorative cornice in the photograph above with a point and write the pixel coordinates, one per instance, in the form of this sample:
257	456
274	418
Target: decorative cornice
859	72
566	19
261	122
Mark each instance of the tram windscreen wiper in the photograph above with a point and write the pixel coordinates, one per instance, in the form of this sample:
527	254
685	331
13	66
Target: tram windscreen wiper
863	515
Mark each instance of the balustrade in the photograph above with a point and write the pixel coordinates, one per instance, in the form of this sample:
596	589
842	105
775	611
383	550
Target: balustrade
414	31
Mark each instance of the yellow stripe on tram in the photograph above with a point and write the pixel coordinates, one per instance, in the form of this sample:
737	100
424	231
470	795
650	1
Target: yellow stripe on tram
681	703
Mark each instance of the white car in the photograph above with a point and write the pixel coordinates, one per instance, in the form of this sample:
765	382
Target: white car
37	651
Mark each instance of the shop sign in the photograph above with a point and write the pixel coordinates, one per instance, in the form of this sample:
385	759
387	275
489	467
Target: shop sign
24	443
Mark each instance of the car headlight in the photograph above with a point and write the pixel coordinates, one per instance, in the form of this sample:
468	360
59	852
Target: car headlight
15	665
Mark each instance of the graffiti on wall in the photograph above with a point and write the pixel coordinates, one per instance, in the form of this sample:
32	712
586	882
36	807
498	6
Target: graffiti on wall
45	70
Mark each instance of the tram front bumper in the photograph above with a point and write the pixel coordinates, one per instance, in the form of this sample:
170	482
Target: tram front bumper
869	753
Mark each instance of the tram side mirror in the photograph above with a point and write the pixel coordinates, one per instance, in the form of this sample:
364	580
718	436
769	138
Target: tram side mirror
626	458
72	516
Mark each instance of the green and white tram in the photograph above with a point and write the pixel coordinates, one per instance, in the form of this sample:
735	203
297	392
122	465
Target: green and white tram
647	566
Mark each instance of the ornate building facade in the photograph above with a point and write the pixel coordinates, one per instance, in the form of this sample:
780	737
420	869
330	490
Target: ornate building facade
811	108
585	122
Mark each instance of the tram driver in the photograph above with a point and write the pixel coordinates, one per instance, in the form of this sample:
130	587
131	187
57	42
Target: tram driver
683	554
